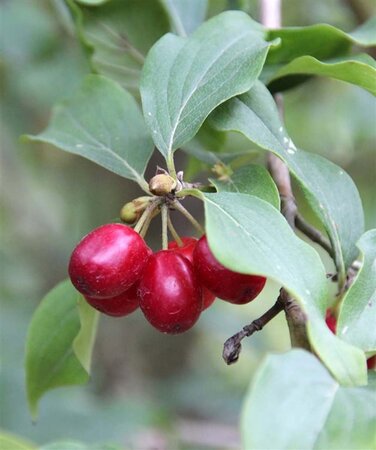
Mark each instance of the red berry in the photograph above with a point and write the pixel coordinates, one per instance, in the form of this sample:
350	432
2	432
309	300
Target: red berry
224	283
121	305
170	295
331	320
108	261
371	362
189	244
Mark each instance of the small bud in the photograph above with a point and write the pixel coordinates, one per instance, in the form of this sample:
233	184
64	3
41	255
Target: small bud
221	171
132	211
162	184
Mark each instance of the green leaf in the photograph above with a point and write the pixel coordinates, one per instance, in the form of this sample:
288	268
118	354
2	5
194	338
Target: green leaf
248	235
11	442
293	395
252	180
329	190
117	36
351	422
365	34
75	445
185	15
84	342
92	2
357	318
183	80
102	122
359	70
321	41
59	343
65	445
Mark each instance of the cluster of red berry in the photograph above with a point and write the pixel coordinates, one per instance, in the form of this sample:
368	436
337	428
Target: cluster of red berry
117	272
331	321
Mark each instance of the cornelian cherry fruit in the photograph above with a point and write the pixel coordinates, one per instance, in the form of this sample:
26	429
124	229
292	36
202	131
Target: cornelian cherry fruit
189	244
331	320
170	294
119	306
231	286
108	261
371	362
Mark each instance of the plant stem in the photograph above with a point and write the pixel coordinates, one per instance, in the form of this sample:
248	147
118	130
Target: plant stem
232	347
147	222
177	205
147	214
171	166
164	211
173	232
313	234
296	318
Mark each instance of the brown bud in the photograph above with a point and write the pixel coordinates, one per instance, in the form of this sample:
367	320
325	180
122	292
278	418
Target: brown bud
162	184
132	211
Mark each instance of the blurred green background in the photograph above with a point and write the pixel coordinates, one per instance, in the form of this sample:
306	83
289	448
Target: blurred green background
147	390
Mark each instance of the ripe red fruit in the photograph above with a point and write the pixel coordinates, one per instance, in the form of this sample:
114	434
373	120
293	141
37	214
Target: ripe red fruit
189	244
108	261
331	320
121	305
224	283
371	362
170	295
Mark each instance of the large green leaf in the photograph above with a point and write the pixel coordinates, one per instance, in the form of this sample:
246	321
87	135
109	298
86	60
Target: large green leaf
118	34
329	190
185	15
59	343
295	397
252	180
357	318
322	41
359	70
11	442
102	122
92	2
183	80
248	235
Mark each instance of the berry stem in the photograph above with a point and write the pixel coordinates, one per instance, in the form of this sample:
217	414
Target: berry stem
173	232
171	166
147	222
177	205
164	211
146	215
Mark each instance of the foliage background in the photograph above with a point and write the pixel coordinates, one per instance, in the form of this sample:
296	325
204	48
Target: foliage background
146	387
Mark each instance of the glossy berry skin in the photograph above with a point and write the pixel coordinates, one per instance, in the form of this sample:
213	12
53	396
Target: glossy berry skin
189	244
371	362
331	320
119	306
108	261
224	283
170	295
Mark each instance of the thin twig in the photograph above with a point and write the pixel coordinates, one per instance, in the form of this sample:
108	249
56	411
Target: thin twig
164	211
296	318
232	347
145	215
147	222
173	232
313	234
179	207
